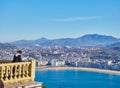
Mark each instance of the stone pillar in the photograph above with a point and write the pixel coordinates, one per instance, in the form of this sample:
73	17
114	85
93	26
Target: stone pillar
33	70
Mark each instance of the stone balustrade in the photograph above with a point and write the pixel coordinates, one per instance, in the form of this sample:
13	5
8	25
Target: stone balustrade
17	72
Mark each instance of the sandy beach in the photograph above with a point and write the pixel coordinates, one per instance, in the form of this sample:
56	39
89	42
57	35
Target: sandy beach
78	68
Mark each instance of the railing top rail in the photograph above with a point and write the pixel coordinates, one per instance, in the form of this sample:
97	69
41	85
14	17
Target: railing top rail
17	63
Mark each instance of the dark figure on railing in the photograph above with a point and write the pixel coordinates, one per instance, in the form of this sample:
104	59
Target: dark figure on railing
17	56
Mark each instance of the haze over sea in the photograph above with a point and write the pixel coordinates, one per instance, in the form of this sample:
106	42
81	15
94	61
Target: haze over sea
77	79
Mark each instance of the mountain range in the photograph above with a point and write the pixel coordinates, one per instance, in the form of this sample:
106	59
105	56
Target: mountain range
86	40
6	45
115	46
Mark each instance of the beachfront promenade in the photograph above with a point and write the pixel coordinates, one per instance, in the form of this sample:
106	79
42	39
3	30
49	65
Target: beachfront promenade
19	74
78	68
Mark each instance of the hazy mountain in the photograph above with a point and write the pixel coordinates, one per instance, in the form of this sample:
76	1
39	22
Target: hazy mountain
41	40
86	40
29	42
115	46
6	45
22	42
95	40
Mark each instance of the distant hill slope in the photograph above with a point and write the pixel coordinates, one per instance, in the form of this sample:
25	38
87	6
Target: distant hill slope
6	45
95	40
86	40
115	46
29	42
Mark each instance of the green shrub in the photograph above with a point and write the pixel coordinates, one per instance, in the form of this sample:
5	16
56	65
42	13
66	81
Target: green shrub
44	86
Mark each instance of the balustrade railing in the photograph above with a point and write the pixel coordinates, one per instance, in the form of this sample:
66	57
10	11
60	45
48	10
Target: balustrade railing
17	72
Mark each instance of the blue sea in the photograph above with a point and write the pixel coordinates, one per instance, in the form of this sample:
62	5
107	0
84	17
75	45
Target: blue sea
77	79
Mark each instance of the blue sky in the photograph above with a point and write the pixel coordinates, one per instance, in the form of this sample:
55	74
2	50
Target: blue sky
53	19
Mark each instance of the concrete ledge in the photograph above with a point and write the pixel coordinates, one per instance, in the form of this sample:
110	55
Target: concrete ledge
25	85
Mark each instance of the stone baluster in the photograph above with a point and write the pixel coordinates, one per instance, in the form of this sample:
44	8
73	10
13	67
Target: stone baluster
27	70
23	71
20	69
11	72
3	70
6	73
15	73
1	73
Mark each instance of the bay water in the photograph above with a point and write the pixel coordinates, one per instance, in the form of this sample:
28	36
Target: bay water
77	79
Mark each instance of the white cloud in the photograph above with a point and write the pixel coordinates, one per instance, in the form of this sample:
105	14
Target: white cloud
78	18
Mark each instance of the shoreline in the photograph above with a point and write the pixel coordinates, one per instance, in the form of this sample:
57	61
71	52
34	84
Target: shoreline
78	68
